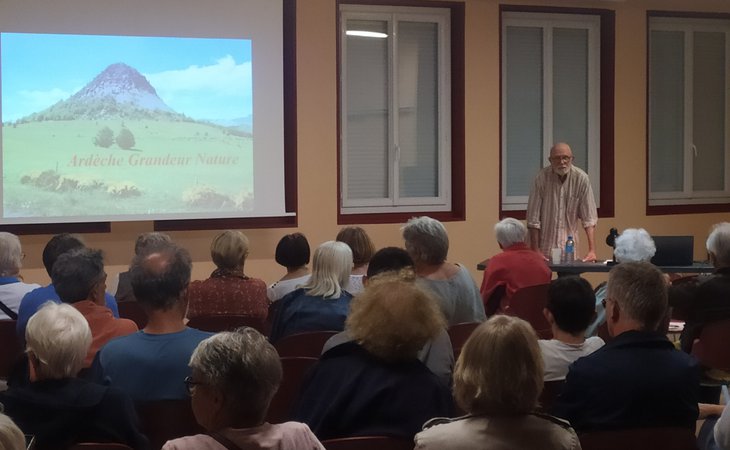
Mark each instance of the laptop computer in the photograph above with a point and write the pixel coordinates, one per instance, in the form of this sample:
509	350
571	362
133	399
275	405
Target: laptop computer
673	250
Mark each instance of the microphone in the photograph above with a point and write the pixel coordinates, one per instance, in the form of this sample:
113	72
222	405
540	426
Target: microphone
611	238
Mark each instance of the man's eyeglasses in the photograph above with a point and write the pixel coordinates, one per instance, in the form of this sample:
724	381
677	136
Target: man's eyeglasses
561	158
190	384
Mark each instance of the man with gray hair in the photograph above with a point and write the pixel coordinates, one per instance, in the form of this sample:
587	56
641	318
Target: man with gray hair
709	300
638	379
146	243
80	280
12	289
516	267
151	364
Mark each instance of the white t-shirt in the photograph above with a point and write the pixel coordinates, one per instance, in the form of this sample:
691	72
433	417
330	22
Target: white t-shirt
12	293
558	355
283	287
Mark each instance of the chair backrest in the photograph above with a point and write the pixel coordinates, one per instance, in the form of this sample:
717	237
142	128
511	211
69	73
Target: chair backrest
294	369
162	420
459	333
550	393
303	344
669	438
134	312
10	349
527	303
99	446
216	323
368	443
712	349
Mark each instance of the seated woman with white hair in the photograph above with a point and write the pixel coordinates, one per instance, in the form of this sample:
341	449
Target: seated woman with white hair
321	304
58	408
633	245
234	377
12	288
427	242
497	381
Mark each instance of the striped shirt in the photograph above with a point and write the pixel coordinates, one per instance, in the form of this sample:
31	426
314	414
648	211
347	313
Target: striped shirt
555	208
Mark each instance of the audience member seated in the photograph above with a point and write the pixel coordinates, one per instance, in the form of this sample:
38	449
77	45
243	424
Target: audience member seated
362	250
709	301
58	245
516	267
228	291
437	354
12	288
234	377
375	385
321	304
150	364
11	438
570	309
497	381
79	278
292	252
638	379
428	244
633	245
145	243
57	408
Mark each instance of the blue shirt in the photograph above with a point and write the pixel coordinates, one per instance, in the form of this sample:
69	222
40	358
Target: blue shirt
298	312
37	297
148	366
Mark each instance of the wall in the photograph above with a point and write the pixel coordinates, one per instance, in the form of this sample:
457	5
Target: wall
472	239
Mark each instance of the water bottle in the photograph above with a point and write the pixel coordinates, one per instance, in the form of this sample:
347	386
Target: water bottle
569	250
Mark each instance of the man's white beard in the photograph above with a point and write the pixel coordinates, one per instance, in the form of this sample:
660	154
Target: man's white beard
562	171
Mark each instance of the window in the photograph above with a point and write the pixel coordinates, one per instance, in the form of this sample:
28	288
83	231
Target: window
557	86
395	109
689	113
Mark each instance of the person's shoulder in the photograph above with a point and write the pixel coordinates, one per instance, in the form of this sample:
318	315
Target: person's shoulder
194	333
194	442
121	343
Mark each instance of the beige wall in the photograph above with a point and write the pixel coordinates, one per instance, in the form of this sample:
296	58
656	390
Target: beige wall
471	240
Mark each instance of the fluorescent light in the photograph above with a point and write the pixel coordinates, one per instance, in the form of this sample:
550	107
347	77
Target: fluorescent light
369	34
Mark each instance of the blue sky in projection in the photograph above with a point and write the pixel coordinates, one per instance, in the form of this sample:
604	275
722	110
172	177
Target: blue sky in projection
202	78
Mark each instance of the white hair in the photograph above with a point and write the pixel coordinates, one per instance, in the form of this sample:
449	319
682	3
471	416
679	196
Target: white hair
11	438
509	232
718	243
59	337
331	267
11	254
634	245
426	240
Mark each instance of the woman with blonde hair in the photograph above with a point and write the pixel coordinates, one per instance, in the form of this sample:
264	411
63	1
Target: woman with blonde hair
497	381
322	304
228	291
375	384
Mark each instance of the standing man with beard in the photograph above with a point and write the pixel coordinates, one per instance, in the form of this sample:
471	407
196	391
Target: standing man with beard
560	195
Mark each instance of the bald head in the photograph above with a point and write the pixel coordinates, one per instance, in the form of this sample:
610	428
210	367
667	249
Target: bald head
561	158
160	278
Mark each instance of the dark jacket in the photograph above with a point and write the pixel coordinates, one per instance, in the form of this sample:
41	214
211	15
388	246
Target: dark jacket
62	412
352	393
636	380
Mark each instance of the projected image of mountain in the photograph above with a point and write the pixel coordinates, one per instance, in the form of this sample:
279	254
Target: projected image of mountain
127	143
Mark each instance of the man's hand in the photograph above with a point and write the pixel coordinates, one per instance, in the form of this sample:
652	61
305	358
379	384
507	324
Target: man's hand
590	256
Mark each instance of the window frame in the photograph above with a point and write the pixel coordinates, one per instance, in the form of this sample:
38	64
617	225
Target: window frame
688	200
604	119
451	153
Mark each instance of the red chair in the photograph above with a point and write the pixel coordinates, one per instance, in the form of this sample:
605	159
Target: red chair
303	344
640	439
527	303
368	443
162	420
459	333
10	349
216	323
712	349
134	312
99	446
294	369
